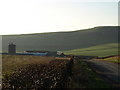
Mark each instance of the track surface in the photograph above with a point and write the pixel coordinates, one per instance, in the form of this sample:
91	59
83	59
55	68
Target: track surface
109	71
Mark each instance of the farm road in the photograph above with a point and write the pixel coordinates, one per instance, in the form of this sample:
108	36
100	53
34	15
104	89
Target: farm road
109	71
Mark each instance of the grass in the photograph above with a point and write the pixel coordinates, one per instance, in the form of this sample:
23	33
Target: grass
85	77
10	63
100	50
114	59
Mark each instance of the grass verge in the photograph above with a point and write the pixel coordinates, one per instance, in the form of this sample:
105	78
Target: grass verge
115	59
84	77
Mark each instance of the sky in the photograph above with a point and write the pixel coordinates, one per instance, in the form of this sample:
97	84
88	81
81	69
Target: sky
38	16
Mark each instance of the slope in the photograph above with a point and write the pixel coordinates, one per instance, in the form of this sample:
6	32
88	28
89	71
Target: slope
99	50
63	40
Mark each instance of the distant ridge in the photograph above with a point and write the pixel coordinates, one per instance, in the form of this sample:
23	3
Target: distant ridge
67	40
64	31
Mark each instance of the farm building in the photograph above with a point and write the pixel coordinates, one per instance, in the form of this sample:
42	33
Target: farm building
43	53
34	54
11	49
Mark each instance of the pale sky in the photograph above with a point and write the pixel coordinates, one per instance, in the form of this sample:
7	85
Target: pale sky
37	16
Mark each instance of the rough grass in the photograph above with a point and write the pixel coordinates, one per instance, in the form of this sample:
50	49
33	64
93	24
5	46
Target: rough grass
85	77
114	59
100	50
39	76
14	62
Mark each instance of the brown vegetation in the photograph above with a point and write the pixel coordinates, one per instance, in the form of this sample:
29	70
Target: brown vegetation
36	75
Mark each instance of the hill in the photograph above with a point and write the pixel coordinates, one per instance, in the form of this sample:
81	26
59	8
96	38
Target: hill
99	50
63	40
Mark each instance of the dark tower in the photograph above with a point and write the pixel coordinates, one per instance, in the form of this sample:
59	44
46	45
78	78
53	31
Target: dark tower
11	49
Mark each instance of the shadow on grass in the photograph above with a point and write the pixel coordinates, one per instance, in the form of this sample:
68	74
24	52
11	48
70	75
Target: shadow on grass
85	77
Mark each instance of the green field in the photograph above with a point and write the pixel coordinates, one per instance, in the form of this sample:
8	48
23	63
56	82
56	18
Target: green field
99	50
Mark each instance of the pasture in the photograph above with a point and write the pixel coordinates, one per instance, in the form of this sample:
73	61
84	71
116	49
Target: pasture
99	50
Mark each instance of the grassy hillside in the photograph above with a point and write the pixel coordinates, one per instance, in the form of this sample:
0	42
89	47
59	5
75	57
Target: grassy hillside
63	40
99	50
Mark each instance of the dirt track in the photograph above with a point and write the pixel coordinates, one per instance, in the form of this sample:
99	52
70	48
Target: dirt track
109	71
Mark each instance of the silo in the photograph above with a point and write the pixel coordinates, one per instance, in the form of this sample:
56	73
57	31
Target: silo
11	49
